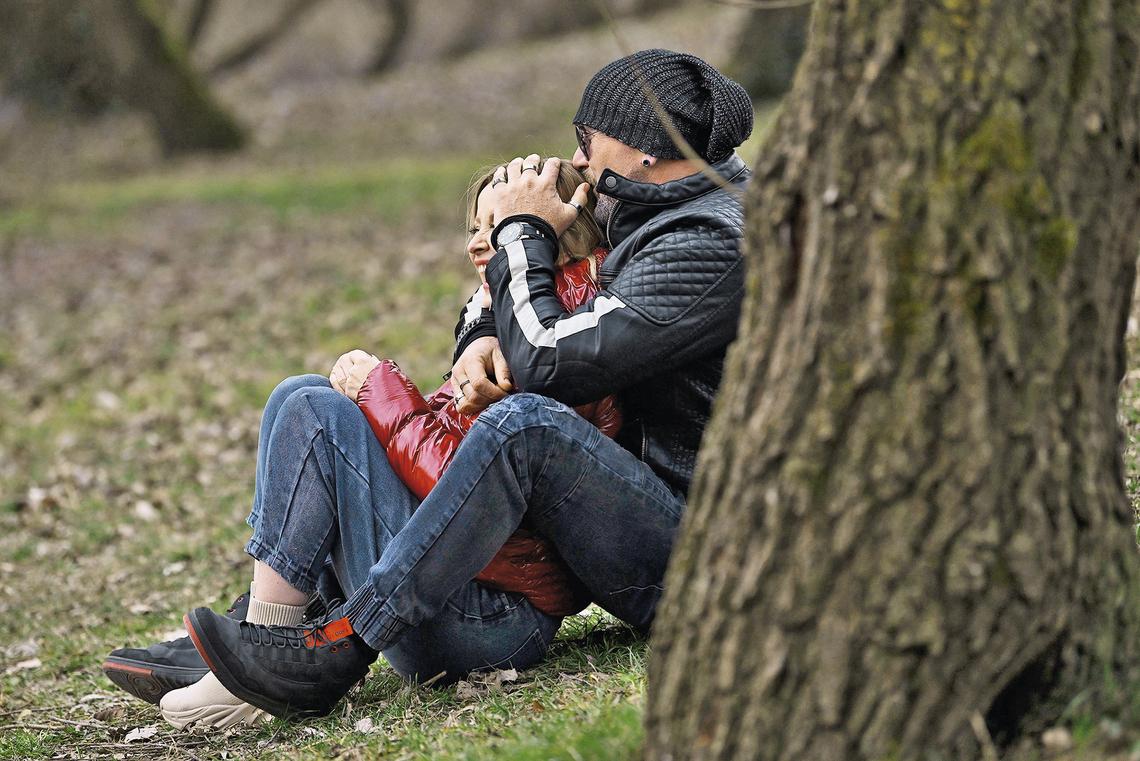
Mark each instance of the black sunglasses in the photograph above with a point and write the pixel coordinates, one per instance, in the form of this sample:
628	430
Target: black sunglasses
585	135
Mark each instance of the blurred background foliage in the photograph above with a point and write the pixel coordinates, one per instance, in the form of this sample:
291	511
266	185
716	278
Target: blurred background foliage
201	197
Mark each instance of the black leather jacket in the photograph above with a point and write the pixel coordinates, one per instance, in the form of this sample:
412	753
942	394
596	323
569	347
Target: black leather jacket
657	330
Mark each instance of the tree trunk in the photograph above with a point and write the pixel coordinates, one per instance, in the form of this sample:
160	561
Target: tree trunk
769	47
908	536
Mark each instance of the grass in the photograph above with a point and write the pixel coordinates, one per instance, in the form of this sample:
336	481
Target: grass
145	324
145	314
387	192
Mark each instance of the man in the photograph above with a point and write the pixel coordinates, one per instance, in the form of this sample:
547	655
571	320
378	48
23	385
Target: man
656	335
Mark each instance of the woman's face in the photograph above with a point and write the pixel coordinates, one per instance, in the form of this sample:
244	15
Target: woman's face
479	244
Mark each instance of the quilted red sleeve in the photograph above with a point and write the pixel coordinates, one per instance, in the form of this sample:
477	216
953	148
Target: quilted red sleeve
419	440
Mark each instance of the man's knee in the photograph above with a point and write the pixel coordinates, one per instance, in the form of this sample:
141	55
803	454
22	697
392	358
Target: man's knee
519	411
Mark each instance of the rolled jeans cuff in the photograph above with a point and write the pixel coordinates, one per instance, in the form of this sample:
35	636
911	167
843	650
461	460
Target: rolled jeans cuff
371	621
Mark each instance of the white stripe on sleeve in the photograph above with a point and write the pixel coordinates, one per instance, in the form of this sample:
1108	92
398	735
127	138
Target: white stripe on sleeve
532	328
474	306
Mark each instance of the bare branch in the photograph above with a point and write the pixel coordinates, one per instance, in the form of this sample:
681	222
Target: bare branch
259	43
199	16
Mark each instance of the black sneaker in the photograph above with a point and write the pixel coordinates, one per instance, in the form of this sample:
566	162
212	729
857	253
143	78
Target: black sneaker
286	670
151	672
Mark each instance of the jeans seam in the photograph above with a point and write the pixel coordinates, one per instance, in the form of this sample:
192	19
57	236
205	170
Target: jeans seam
332	440
534	636
466	493
509	606
602	463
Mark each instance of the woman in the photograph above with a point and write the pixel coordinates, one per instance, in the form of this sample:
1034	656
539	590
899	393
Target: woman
325	487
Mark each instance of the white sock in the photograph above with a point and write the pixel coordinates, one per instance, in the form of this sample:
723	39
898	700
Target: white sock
206	701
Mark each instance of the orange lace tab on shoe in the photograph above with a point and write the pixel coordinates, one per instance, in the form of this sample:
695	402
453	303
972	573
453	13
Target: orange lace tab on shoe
332	631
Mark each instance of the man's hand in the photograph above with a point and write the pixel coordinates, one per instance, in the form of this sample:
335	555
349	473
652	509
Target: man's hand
481	376
350	372
528	191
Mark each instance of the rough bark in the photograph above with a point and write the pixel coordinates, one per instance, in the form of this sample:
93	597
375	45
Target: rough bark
909	513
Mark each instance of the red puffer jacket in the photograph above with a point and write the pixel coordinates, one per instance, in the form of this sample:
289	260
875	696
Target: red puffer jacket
421	435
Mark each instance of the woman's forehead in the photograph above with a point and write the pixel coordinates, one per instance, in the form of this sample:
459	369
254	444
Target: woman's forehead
482	201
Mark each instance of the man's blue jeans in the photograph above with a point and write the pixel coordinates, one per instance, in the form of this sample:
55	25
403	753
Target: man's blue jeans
324	489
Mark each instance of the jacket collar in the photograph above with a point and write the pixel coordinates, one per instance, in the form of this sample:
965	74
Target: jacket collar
640	201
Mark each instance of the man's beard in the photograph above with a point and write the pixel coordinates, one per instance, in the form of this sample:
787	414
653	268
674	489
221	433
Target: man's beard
604	209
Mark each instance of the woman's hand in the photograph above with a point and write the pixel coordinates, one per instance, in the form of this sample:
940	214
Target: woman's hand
350	371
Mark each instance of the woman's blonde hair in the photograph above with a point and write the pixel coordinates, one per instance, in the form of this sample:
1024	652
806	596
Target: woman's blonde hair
580	239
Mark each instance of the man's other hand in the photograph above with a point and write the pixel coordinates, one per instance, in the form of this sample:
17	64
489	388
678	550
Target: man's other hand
350	372
533	189
480	376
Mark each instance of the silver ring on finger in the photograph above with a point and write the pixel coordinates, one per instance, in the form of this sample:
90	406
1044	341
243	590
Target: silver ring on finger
577	206
464	383
530	166
497	181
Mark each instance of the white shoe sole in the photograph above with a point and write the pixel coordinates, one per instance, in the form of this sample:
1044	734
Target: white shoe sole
218	716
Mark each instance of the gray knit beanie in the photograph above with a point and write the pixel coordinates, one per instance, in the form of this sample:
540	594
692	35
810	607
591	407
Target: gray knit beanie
712	112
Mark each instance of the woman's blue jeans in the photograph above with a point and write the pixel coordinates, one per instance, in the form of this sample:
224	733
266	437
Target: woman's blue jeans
324	491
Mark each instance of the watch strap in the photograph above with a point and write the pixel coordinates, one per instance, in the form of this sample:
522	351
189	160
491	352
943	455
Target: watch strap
533	225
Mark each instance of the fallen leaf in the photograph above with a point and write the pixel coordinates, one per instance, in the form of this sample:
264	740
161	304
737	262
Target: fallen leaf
30	663
111	713
140	733
464	690
145	511
174	568
364	725
1057	739
26	649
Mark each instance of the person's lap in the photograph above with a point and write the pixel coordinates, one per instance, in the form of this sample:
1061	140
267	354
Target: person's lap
527	458
321	472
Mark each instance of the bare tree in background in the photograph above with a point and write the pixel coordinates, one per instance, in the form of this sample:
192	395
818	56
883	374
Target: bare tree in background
399	15
252	47
769	48
200	13
908	536
95	53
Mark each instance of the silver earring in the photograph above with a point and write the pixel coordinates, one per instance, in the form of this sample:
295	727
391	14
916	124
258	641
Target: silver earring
645	162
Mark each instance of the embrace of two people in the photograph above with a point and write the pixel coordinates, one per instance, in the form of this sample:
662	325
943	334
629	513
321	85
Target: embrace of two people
453	532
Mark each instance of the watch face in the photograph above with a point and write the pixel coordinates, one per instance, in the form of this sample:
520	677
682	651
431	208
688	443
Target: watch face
510	233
